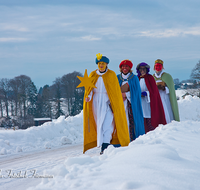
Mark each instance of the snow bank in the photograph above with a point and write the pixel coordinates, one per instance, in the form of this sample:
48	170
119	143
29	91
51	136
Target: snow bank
180	93
189	108
51	134
166	158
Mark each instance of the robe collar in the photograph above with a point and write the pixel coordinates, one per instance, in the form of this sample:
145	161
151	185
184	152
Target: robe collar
127	77
159	76
99	73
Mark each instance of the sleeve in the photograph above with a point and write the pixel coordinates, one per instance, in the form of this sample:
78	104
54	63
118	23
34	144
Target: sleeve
166	90
90	95
147	98
128	95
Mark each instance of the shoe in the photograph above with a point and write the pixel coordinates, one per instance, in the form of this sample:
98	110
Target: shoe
103	147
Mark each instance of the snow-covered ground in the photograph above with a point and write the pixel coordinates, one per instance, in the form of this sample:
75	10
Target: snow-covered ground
50	135
167	158
21	171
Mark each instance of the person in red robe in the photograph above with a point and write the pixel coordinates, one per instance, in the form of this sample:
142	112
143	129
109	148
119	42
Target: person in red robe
151	102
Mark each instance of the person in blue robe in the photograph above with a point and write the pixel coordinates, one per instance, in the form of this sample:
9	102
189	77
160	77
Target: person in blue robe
131	93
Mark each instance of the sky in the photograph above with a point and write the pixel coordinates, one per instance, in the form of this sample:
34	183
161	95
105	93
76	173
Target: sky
48	39
167	158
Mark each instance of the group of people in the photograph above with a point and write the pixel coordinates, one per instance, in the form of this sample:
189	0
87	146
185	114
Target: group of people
122	107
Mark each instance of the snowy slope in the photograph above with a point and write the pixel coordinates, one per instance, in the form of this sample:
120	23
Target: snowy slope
167	158
49	135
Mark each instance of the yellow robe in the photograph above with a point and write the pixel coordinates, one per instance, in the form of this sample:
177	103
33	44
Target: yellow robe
121	132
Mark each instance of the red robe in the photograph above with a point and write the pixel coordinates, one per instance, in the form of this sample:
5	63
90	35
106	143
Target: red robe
157	110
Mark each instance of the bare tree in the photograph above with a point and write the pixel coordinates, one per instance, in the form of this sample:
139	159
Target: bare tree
15	86
46	100
24	82
57	89
5	90
43	106
195	74
26	94
1	105
19	98
73	96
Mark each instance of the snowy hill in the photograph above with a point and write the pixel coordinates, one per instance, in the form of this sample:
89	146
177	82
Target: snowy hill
167	158
49	135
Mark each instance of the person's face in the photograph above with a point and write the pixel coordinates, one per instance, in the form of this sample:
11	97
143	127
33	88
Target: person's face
102	66
125	69
158	67
142	70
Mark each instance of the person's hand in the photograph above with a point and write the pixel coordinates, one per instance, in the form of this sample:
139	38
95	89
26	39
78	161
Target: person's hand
124	96
87	99
143	94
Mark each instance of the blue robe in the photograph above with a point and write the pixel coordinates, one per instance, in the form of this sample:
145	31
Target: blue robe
136	105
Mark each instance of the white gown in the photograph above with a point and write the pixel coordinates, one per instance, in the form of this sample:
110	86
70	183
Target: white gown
169	116
145	100
102	113
128	96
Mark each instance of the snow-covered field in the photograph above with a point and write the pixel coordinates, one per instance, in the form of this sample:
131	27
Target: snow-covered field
167	158
50	135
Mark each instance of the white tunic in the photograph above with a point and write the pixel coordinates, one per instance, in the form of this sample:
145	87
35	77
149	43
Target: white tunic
128	96
145	100
102	113
164	94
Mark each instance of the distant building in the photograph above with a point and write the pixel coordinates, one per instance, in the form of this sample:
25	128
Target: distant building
187	94
187	85
40	121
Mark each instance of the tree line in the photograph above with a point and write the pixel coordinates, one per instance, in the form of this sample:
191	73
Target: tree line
21	102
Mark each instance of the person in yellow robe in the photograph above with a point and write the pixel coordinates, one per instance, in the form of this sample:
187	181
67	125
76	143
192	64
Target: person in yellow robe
103	110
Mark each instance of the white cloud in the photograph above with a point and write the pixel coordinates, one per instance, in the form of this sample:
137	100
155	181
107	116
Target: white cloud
13	39
171	32
193	31
90	38
135	33
13	27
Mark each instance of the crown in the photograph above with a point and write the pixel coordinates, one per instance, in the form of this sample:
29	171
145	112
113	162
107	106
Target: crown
159	61
99	56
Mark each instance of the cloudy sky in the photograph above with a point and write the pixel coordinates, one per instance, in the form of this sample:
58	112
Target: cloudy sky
45	39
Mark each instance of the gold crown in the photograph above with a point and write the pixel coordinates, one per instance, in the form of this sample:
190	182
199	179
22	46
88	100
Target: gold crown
99	56
159	61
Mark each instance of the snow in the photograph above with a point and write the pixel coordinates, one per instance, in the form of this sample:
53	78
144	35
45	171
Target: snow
189	108
180	93
41	119
167	158
49	135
